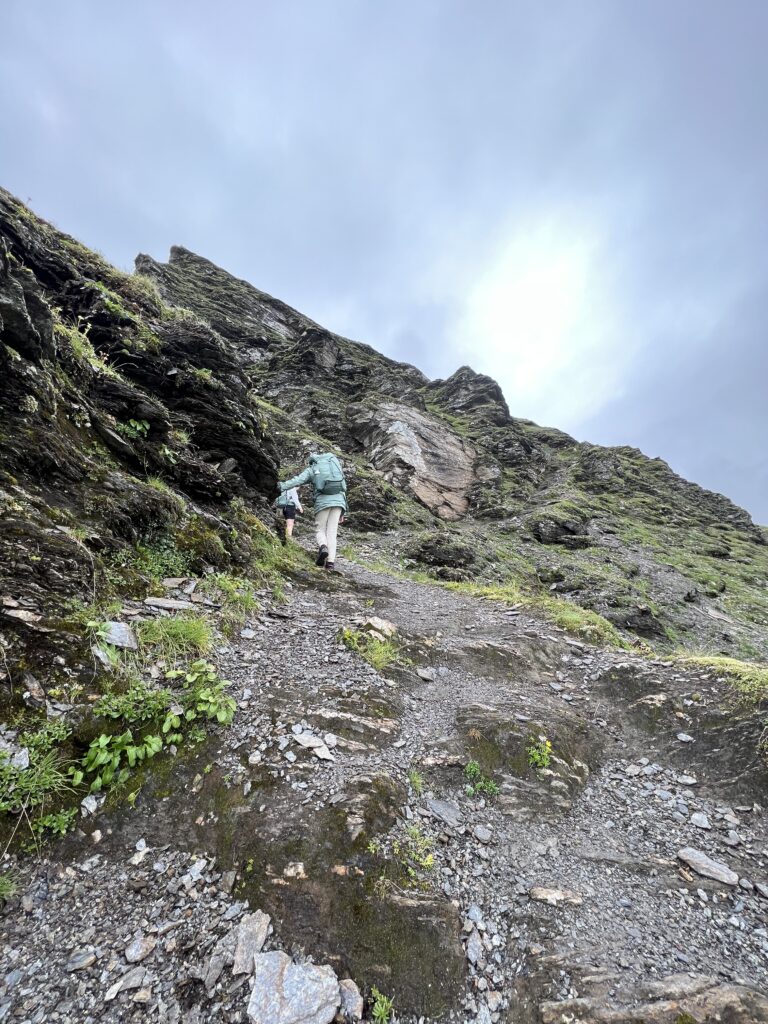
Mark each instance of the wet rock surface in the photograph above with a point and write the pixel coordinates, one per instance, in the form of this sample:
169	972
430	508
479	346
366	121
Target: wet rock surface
565	893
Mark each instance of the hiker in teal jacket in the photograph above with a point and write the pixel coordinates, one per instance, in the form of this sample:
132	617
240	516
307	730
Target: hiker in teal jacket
329	487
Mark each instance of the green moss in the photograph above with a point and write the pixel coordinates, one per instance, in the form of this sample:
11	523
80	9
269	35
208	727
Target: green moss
205	376
199	544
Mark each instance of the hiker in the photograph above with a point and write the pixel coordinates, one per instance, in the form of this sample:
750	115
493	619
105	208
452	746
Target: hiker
289	504
329	487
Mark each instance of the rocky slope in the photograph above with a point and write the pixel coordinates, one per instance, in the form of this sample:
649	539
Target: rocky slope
506	811
607	529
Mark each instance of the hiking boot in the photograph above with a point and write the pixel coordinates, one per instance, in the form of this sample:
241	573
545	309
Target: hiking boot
322	556
330	566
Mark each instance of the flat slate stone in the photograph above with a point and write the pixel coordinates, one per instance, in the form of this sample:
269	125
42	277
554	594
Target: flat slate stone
140	948
351	1000
708	868
446	810
79	961
170	604
554	897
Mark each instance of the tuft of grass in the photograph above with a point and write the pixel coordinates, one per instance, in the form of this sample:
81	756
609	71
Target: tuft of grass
22	789
378	653
581	622
205	375
76	337
416	781
159	485
747	677
236	595
177	636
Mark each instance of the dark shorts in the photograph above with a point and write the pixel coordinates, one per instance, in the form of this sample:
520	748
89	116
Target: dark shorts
289	512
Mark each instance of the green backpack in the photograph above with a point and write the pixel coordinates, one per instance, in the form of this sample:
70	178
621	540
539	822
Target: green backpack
327	474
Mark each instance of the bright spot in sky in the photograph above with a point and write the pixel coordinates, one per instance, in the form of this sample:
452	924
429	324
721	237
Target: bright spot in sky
538	320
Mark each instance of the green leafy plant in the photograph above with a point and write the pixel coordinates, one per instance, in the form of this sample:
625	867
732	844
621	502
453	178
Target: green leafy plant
57	823
205	693
8	886
169	455
153	561
477	782
539	752
110	758
133	429
98	631
382	1008
162	718
139	703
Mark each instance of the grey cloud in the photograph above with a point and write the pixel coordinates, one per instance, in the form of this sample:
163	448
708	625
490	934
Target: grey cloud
360	160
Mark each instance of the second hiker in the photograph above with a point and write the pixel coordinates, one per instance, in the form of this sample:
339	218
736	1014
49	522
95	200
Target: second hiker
329	487
289	504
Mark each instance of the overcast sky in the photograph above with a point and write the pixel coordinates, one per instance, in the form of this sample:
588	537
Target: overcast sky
571	196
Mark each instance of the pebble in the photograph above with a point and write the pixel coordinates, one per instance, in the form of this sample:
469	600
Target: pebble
140	948
80	960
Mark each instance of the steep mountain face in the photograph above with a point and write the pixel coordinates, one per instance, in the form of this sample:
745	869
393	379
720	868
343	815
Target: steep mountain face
140	406
443	773
606	528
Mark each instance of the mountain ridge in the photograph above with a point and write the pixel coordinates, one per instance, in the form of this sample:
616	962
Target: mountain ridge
504	767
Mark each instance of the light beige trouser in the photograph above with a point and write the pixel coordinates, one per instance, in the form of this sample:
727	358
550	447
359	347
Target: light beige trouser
326	526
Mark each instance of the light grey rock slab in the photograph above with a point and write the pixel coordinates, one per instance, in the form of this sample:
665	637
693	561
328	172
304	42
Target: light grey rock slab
446	810
251	935
287	993
351	1000
708	868
120	634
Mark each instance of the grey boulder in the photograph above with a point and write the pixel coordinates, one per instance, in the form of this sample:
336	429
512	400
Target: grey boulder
288	993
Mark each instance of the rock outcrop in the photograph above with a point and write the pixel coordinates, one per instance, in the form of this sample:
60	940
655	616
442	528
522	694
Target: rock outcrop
187	375
417	454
